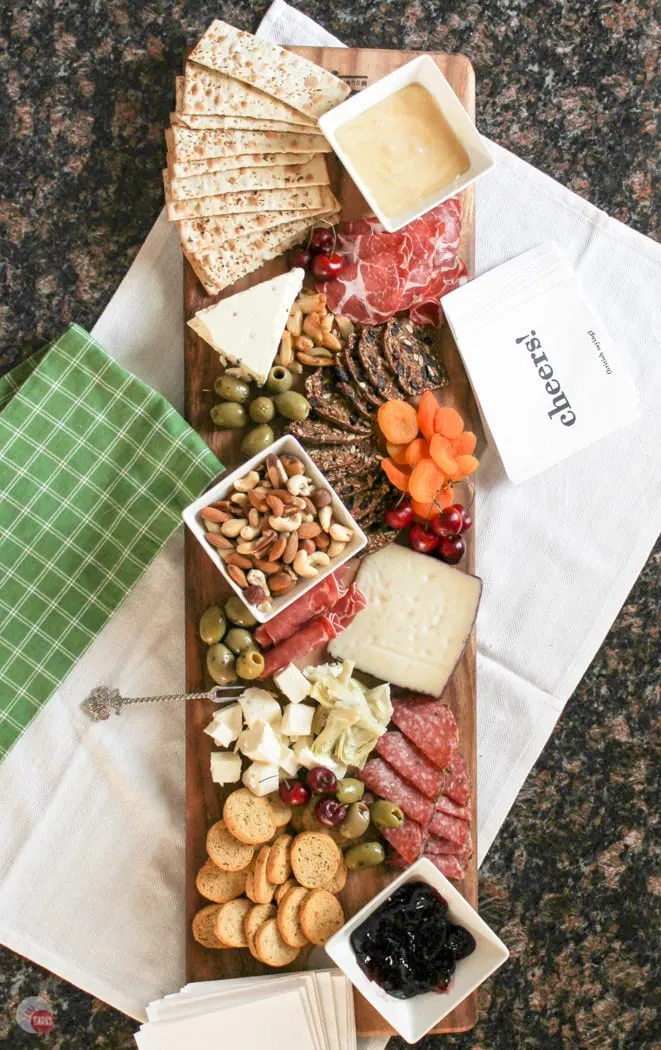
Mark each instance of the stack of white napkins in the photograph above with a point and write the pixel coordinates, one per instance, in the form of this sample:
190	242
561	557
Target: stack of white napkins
308	1011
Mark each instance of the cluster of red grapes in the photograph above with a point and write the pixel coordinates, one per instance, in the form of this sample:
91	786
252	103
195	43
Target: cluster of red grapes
319	255
320	781
441	535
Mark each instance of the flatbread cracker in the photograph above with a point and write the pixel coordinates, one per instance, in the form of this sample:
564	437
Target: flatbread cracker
314	173
216	122
217	269
196	234
209	91
303	198
197	145
185	168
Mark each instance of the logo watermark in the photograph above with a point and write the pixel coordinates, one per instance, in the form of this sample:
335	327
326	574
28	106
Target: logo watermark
35	1015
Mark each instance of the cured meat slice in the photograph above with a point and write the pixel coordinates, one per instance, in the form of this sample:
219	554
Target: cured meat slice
348	606
436	845
458	782
446	805
446	827
416	368
330	405
317	600
370	352
311	635
319	432
431	726
410	763
448	865
382	779
407	840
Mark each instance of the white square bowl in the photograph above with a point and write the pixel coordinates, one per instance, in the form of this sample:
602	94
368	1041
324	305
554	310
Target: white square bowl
424	71
413	1018
287	445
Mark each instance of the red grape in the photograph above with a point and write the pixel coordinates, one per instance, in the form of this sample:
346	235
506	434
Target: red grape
294	792
321	780
448	523
422	541
400	516
330	812
301	257
327	266
451	549
322	240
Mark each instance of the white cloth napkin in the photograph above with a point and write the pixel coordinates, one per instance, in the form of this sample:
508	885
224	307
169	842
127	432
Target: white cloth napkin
92	821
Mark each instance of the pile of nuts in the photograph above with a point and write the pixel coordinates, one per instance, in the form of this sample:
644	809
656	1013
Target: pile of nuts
313	335
274	529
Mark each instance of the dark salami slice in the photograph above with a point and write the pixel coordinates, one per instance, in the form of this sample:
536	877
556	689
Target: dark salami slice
330	405
370	352
407	840
410	763
436	845
449	866
415	366
317	600
431	726
310	636
446	827
458	782
318	432
382	779
446	805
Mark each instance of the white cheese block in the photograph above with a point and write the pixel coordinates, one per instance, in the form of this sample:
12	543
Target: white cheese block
419	616
297	719
260	743
225	725
247	327
292	683
261	778
225	767
258	705
288	762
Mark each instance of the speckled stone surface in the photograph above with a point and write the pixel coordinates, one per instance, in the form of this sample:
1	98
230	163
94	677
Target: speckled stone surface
573	882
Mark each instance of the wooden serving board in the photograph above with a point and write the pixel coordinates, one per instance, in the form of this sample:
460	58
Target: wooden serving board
204	585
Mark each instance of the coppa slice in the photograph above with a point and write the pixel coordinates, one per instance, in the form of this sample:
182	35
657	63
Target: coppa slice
430	725
419	617
411	763
317	600
382	779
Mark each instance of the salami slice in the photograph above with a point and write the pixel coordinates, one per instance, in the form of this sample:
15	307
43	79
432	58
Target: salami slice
317	600
411	763
449	866
446	805
436	845
407	840
446	827
315	633
458	782
431	726
382	779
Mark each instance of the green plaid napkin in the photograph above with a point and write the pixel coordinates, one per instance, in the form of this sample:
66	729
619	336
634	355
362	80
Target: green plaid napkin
95	469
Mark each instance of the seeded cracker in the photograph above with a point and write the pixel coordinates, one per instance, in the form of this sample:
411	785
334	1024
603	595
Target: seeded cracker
318	432
329	404
370	353
358	376
414	365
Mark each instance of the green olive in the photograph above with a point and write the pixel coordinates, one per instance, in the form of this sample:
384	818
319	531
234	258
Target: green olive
261	410
292	405
356	821
279	379
229	416
212	625
349	790
386	814
256	440
231	388
365	855
220	664
238	613
237	639
249	664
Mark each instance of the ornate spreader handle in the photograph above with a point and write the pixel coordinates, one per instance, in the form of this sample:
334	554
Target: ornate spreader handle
103	701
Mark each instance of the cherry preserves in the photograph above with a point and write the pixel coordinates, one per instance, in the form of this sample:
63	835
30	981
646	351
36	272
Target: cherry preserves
409	946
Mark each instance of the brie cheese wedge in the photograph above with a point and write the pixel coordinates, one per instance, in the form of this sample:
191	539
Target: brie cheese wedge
246	328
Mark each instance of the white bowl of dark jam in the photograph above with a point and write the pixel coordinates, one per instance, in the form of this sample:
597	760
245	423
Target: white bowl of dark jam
417	950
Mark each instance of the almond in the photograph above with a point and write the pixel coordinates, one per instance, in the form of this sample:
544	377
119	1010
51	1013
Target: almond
257	500
221	542
213	514
308	545
308	530
291	549
239	560
281	583
238	575
267	567
276	504
322	541
278	548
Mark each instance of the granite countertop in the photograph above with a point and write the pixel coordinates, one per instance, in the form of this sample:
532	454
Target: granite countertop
572	883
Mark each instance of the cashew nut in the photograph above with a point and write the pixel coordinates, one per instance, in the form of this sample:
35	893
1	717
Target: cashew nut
286	524
248	482
335	548
340	532
308	565
239	498
299	485
325	517
319	559
249	532
233	527
256	578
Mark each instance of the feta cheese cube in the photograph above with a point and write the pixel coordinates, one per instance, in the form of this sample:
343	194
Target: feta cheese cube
288	762
225	768
260	743
225	725
309	760
297	720
258	705
292	683
261	778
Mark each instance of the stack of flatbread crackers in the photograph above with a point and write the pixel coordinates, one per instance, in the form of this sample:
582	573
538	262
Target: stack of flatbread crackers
246	174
